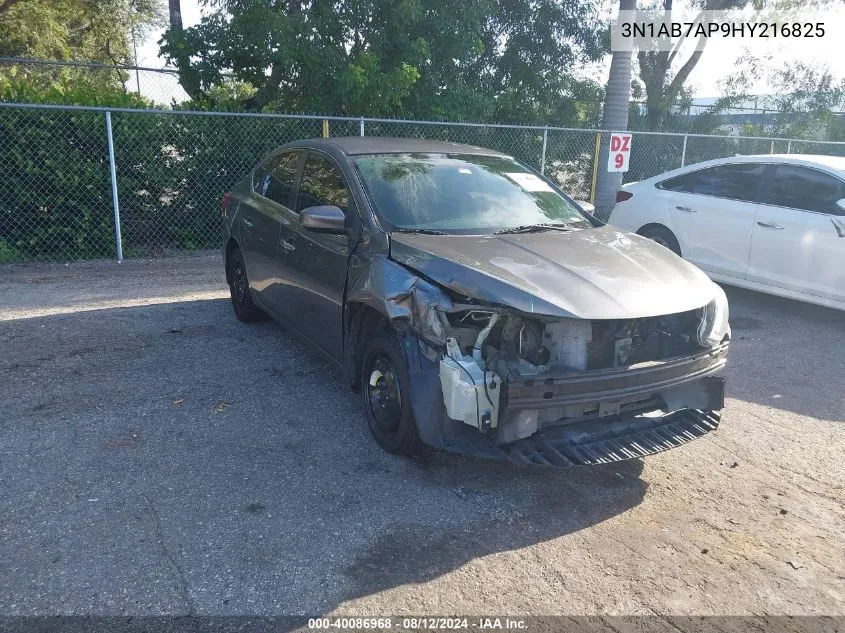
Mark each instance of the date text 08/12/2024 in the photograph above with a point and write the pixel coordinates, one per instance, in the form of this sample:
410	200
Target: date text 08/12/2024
418	623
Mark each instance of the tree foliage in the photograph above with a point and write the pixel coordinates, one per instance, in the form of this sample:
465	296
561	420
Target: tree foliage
664	74
479	59
92	30
806	100
85	30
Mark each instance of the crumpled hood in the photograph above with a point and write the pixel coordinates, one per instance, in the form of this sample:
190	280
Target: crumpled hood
599	273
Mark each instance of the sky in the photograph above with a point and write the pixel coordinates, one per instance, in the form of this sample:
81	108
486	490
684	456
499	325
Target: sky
718	61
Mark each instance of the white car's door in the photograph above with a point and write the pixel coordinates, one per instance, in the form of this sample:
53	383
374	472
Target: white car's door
798	241
712	211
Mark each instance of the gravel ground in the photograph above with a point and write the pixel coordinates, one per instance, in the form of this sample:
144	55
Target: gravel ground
159	457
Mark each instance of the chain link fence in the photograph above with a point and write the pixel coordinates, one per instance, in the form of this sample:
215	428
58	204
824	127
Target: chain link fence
171	169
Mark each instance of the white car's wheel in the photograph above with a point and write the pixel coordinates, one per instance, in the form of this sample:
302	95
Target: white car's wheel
663	236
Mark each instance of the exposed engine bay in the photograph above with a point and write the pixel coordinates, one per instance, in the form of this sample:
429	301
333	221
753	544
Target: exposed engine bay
487	351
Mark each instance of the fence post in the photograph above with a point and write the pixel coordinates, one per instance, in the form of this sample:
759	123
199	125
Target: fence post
543	157
772	148
684	151
789	146
595	167
325	128
362	126
113	173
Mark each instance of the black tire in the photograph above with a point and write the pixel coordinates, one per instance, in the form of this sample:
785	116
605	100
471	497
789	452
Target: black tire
245	309
386	389
662	236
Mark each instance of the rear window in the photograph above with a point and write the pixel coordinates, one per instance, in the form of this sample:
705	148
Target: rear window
274	179
739	181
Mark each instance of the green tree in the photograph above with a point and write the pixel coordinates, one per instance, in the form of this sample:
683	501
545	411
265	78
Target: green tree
664	74
81	30
92	30
480	59
806	101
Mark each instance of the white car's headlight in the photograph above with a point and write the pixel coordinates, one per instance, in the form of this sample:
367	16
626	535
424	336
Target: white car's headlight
714	325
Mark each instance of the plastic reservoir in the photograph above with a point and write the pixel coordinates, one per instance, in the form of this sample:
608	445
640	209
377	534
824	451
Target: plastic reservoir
464	392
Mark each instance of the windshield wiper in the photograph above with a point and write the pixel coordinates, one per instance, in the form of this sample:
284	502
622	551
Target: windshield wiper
423	231
534	228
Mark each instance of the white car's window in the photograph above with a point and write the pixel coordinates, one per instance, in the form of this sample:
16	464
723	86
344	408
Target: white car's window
807	189
739	181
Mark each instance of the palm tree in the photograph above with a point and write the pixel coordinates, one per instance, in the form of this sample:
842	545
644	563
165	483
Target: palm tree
614	117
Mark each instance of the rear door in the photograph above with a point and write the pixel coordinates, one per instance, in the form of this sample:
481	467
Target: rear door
798	241
261	219
712	211
315	263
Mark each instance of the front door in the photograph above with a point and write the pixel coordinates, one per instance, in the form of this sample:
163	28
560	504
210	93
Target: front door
713	212
316	263
798	242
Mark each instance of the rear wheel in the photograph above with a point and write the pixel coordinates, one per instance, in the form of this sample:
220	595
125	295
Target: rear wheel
245	309
386	389
662	236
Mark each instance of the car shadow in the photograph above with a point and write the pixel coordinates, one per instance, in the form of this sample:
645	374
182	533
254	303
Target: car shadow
786	354
523	507
205	466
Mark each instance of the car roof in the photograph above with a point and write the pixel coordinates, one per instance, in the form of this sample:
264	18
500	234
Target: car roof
829	163
357	145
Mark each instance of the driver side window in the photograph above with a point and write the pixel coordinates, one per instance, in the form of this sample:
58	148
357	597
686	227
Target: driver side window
321	184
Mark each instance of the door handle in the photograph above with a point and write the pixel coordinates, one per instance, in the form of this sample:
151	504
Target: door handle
770	225
685	209
839	226
287	245
246	222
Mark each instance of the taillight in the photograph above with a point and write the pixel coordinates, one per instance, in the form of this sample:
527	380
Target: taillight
224	204
622	196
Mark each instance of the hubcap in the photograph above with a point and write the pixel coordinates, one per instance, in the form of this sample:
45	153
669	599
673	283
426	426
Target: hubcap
239	283
383	395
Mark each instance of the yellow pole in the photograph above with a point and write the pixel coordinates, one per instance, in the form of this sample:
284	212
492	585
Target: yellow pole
595	168
325	128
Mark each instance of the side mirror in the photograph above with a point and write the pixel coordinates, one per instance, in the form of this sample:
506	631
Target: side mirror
325	218
589	207
841	203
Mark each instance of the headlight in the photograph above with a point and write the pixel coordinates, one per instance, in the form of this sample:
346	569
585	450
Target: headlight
714	325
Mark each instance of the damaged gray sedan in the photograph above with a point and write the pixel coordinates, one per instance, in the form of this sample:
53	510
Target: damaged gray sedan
475	306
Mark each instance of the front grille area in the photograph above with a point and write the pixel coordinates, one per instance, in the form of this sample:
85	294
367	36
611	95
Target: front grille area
625	342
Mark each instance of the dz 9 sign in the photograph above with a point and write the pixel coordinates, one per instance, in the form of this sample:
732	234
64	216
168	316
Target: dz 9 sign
620	152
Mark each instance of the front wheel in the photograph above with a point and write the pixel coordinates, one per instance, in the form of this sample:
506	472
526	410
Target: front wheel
662	236
386	389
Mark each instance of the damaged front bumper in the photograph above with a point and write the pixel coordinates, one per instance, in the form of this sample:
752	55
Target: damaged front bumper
625	413
602	442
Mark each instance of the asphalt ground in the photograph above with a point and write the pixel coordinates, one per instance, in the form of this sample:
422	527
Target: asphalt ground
159	457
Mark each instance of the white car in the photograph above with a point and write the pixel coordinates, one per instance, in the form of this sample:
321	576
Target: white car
773	223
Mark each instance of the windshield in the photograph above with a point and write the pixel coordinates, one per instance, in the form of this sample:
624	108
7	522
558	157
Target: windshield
462	193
